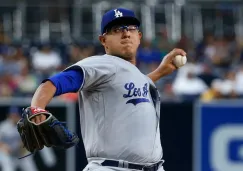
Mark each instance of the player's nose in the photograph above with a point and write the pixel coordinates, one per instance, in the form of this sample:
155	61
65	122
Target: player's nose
126	34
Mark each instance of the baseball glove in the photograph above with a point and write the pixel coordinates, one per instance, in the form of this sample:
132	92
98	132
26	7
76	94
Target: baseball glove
49	133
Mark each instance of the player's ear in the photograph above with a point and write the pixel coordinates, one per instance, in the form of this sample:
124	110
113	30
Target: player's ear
140	36
102	39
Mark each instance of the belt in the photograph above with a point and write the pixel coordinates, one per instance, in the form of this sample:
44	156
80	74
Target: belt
114	163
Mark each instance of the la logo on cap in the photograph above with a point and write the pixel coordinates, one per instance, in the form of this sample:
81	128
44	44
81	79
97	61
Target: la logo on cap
118	13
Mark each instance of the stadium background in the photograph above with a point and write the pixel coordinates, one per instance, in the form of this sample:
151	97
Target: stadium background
40	38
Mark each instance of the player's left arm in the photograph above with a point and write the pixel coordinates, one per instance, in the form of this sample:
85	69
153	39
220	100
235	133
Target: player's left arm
58	84
166	66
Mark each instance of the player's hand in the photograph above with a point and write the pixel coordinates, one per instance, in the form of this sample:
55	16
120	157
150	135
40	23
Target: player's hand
166	67
39	116
38	119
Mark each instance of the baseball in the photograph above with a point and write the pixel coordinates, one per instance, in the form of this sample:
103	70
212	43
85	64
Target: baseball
179	61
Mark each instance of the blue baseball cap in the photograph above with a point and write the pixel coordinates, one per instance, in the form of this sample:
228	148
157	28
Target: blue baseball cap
116	16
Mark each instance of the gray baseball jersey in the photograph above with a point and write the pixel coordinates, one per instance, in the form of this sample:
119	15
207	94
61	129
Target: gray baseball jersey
118	115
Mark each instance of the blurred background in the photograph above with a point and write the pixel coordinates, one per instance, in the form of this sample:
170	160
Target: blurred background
202	106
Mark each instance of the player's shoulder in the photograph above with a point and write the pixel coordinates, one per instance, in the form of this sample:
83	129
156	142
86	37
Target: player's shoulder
97	62
96	58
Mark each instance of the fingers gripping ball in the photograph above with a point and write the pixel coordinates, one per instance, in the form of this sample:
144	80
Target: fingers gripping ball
179	61
50	132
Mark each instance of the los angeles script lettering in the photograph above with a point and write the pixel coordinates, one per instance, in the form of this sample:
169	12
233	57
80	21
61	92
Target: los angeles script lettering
133	91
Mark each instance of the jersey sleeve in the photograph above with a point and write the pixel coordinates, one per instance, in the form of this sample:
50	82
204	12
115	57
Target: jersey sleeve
98	72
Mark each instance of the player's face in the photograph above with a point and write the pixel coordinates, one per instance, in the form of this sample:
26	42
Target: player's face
122	41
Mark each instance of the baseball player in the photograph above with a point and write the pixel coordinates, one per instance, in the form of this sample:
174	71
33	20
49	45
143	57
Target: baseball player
119	106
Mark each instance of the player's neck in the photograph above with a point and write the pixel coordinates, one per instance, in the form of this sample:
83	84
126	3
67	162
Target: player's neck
131	60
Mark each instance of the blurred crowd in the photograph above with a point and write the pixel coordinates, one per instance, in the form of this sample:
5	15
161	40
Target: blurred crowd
214	68
11	146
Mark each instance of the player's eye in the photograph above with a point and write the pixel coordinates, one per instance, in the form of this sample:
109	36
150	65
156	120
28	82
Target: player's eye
120	29
132	28
117	30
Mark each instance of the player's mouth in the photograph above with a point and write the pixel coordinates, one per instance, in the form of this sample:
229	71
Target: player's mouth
126	42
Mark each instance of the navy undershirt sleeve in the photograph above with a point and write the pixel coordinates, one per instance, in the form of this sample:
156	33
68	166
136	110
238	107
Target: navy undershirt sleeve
67	81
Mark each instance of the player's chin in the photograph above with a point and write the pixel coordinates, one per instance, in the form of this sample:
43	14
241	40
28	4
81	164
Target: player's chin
128	52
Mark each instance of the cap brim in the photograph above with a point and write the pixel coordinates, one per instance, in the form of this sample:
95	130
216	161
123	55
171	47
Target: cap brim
122	20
